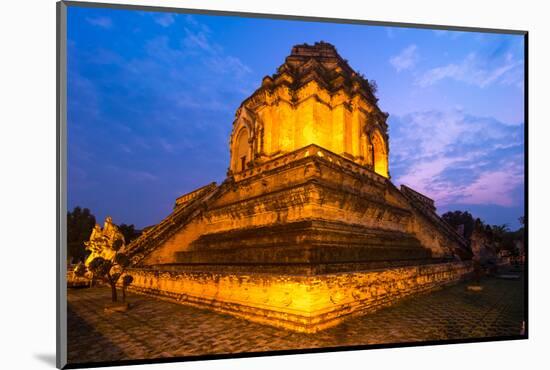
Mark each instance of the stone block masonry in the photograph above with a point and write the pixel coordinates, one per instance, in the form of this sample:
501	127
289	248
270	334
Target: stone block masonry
307	229
299	303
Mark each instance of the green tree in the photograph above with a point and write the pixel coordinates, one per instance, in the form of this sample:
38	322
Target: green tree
80	270
500	231
80	223
505	238
129	232
126	281
520	233
110	271
458	218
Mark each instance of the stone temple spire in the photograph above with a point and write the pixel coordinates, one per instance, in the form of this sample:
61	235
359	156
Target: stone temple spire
307	230
314	97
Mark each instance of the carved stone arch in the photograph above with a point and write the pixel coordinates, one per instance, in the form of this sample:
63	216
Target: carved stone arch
379	152
241	149
365	147
258	137
242	120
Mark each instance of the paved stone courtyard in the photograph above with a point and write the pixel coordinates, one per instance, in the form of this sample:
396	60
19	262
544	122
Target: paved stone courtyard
154	328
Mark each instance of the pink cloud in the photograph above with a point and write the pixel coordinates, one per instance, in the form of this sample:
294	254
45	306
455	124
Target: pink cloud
494	188
459	159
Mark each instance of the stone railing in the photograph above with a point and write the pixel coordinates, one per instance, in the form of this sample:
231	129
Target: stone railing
141	247
186	198
428	212
428	202
311	150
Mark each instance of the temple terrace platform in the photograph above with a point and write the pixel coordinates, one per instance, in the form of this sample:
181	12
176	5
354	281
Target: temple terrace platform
154	328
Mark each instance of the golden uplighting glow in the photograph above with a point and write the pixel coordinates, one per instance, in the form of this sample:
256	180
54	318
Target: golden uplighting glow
380	154
306	230
277	120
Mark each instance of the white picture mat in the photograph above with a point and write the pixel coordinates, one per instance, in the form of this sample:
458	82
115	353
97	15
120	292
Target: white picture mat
27	146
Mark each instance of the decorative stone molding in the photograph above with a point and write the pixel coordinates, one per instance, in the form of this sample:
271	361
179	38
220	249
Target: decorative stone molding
305	304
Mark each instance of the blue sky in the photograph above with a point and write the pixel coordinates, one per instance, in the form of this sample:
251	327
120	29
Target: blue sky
152	97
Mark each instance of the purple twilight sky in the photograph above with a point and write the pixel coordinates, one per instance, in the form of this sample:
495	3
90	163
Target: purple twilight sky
152	97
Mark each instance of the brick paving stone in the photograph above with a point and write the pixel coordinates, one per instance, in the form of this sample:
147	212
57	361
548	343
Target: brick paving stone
154	328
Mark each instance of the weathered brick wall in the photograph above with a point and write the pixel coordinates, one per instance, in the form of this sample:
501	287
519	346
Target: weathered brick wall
300	303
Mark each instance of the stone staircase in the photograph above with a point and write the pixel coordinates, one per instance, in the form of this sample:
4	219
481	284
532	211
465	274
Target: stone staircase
310	247
182	214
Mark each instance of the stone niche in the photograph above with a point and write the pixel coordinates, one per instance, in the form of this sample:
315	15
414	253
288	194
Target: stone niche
307	229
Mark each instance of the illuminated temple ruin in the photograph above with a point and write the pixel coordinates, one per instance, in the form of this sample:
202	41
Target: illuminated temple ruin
307	229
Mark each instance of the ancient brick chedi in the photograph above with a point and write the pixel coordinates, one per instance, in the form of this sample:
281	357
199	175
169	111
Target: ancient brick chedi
314	98
307	229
